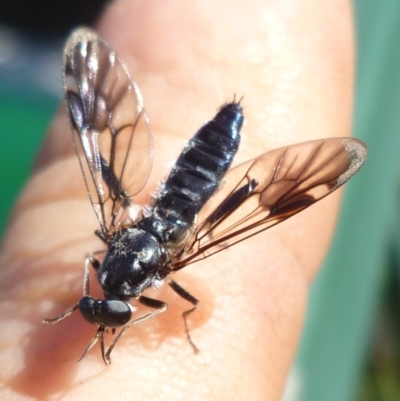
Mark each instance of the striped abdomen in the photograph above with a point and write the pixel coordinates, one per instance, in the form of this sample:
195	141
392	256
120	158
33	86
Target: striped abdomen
197	173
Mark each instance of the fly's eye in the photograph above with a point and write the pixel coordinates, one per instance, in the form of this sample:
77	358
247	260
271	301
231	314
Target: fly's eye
108	313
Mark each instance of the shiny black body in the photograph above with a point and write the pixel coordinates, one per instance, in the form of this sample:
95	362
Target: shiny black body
196	175
202	208
138	256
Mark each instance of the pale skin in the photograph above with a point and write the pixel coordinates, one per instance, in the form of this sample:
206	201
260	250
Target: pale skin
293	63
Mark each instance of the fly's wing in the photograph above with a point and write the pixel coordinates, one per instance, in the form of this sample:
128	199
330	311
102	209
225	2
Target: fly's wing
110	127
269	189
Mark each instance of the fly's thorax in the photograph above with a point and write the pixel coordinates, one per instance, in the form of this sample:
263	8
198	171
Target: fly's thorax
131	264
170	230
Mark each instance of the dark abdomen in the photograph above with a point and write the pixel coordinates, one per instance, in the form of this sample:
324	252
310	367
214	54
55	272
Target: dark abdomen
199	169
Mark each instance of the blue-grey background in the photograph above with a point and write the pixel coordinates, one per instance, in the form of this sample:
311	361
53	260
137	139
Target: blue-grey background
350	346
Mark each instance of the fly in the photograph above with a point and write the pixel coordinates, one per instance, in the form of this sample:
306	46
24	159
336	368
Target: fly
202	208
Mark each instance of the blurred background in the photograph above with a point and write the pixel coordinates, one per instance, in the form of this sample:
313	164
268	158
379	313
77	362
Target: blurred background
350	349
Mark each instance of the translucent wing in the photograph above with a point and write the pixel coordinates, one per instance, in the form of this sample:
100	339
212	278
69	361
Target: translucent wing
269	189
110	128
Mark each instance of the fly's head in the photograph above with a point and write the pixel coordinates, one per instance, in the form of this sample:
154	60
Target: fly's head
105	312
132	264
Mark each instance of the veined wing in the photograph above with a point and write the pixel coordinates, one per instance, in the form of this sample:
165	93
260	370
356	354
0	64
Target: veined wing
110	127
269	189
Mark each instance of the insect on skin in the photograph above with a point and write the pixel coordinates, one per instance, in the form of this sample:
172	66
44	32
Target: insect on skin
202	208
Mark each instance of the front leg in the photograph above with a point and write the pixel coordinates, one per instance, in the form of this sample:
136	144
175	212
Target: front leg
159	307
89	261
98	336
190	298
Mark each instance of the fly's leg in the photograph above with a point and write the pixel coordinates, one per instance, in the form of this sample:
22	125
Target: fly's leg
98	336
190	298
62	315
89	261
159	307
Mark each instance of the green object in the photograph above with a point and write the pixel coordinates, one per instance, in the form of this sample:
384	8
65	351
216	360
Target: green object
24	119
346	296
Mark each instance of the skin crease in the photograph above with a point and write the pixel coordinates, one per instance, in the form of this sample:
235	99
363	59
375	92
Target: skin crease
293	63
